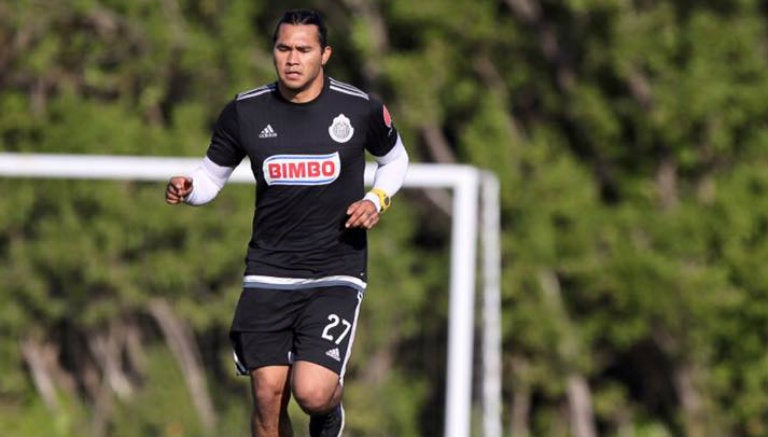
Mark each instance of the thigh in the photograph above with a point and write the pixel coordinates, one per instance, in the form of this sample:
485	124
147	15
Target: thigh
325	331
271	380
262	331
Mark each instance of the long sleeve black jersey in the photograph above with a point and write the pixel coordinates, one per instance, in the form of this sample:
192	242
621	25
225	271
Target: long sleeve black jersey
308	160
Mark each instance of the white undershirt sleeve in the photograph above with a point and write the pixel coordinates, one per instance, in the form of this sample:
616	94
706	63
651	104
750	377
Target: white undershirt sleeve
390	173
207	180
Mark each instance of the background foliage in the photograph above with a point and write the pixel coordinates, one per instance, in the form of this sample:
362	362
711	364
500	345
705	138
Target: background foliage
630	138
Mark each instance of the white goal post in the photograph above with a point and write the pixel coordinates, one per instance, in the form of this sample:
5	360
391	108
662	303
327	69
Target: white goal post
467	183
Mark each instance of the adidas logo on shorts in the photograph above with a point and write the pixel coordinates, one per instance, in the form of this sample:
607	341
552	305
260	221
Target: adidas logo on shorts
334	353
268	132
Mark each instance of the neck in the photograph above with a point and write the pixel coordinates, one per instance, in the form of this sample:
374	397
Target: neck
305	94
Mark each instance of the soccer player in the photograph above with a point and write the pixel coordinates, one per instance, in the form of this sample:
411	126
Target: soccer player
306	136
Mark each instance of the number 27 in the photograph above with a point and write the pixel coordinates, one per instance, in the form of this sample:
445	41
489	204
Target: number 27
334	322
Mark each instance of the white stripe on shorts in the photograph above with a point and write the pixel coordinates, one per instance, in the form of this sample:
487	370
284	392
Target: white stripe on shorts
351	339
279	283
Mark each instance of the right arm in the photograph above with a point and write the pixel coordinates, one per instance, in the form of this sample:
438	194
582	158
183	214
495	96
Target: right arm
199	187
224	154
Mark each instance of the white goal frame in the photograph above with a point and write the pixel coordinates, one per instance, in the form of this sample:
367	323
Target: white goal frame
467	184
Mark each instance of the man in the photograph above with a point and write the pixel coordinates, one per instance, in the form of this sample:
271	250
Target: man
306	136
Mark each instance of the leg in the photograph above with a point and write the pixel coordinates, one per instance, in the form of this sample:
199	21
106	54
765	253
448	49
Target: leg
262	334
317	389
324	340
271	392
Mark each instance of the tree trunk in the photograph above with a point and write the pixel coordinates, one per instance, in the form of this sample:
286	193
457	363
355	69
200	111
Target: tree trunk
134	349
691	402
178	335
437	143
666	181
379	366
37	355
580	402
696	419
521	399
102	408
531	13
376	24
107	349
581	414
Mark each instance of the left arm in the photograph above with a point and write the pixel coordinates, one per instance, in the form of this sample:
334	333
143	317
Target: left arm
388	179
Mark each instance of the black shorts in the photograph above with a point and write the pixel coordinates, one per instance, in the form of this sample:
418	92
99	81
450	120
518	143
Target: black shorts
277	327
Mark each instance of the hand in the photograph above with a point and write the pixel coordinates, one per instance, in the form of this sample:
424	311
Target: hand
178	189
362	214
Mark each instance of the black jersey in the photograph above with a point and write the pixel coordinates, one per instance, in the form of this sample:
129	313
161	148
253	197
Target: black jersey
308	160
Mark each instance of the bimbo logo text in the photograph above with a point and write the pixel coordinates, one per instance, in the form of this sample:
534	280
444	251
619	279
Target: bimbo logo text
302	169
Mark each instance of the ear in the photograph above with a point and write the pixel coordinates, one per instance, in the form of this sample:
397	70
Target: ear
327	51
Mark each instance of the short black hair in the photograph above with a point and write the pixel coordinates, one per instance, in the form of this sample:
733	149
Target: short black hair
304	16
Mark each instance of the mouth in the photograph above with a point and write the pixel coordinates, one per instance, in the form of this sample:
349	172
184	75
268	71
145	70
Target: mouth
292	74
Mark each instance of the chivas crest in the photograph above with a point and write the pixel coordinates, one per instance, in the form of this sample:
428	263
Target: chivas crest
341	129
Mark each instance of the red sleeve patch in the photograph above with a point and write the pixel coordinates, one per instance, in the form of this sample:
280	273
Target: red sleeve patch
387	117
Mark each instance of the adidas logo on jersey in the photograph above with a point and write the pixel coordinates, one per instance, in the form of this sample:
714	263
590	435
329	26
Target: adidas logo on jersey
268	132
334	353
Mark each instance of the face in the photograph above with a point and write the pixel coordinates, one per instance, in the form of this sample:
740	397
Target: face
299	61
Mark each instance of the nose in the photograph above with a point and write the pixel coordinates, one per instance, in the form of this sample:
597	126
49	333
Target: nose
293	57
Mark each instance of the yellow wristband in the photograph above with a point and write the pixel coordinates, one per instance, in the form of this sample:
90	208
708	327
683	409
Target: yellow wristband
384	201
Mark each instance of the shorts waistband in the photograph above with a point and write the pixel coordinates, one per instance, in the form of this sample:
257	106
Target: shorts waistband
280	283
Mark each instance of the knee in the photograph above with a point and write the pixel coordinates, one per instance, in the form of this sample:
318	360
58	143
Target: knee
315	399
316	389
267	395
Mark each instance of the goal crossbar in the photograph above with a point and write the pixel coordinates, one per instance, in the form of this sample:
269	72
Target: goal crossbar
467	184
